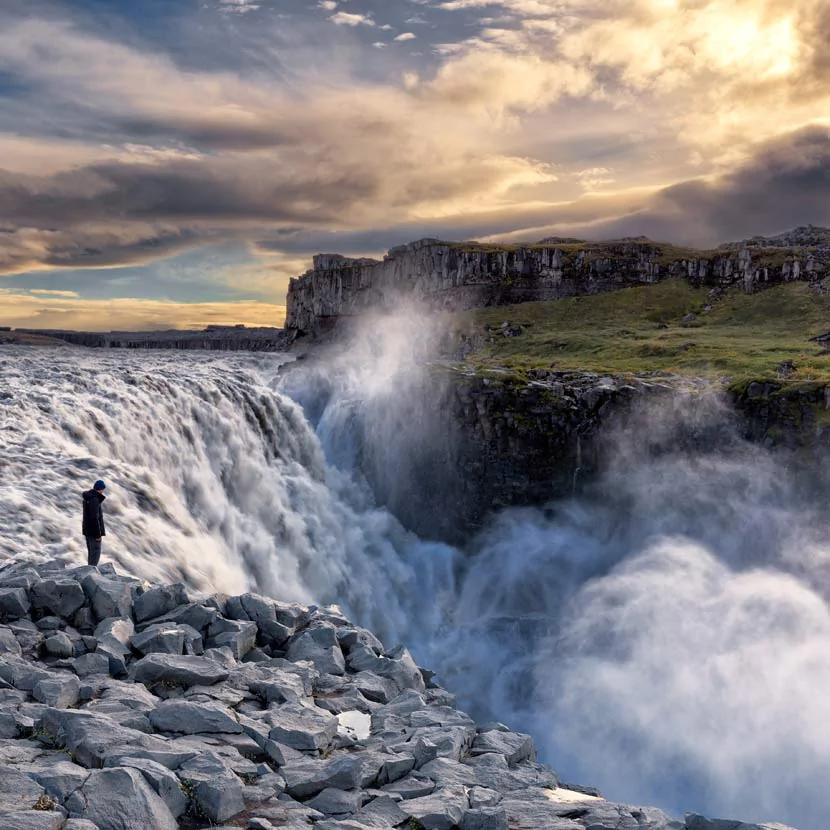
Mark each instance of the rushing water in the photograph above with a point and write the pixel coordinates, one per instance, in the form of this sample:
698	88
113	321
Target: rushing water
666	638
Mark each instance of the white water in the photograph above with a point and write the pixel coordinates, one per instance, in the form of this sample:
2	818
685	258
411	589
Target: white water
667	640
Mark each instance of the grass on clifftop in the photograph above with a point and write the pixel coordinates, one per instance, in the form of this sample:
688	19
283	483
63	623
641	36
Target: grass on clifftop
641	330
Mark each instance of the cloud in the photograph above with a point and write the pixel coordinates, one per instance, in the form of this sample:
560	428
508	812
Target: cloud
351	19
140	158
238	6
406	36
124	314
49	292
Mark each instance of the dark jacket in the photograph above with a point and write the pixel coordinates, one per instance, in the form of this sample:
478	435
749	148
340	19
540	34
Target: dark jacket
93	514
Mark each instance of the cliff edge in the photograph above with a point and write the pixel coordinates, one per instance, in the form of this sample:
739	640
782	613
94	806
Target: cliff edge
459	276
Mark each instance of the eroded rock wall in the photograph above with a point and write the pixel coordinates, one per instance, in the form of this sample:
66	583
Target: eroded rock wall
453	277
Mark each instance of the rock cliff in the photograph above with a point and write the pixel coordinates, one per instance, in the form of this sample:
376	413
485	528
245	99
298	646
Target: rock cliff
457	276
126	706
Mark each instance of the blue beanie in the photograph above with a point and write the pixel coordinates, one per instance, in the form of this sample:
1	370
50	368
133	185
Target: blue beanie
99	485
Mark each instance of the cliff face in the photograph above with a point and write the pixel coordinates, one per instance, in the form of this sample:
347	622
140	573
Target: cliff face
463	276
447	449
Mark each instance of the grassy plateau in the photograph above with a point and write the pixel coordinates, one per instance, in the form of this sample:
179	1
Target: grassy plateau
741	336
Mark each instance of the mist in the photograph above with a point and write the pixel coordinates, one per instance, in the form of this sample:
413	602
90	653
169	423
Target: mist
665	635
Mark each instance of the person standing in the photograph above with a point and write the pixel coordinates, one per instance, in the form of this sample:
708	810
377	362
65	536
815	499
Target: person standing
93	525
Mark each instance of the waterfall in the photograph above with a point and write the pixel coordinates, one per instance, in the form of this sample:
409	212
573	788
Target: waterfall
665	636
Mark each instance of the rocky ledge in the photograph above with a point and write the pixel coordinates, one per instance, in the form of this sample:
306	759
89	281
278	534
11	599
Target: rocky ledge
125	706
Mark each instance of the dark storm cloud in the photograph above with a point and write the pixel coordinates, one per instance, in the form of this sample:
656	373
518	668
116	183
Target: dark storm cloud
786	183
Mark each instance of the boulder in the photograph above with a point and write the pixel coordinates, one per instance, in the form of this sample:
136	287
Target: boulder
320	646
168	638
515	746
158	601
302	727
9	644
122	799
212	786
108	597
184	670
62	597
18	791
163	781
485	818
443	810
91	664
59	645
60	779
239	637
336	802
60	691
192	718
14	603
33	820
397	666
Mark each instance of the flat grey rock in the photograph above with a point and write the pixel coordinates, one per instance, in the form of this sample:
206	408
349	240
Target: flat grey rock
90	664
184	670
303	727
515	746
443	810
191	718
9	644
108	597
163	781
336	802
60	779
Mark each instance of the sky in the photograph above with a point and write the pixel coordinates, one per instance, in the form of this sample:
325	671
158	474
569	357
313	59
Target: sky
172	163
